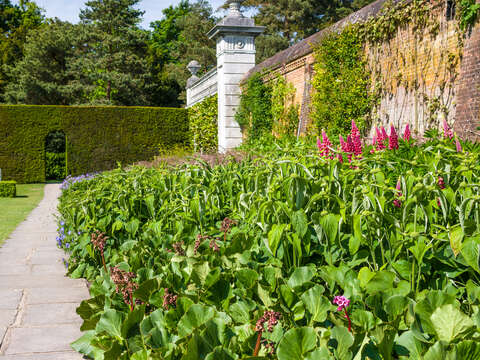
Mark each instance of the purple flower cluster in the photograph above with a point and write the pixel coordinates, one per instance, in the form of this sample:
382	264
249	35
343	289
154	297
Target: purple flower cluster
342	302
70	180
61	234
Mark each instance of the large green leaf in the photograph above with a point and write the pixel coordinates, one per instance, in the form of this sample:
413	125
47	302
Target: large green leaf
300	222
450	323
84	345
275	236
300	276
297	343
317	304
111	323
196	316
344	342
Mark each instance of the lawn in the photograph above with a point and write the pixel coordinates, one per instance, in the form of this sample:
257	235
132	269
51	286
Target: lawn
15	210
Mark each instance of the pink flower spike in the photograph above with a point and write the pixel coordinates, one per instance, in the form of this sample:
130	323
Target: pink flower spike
340	157
399	185
319	144
393	139
447	131
324	146
407	134
384	133
343	144
355	132
458	145
342	302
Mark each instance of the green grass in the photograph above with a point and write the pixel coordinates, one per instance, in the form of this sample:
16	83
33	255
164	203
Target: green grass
14	210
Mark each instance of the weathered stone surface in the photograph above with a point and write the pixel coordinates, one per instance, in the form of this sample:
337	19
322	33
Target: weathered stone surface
50	295
50	314
9	299
46	356
37	302
42	339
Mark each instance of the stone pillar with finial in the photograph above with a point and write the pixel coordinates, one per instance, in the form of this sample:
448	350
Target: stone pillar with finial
193	67
235	36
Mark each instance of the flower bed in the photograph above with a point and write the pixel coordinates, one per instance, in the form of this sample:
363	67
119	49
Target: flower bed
361	251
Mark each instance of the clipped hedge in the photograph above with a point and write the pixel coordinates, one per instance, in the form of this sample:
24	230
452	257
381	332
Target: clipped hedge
97	137
8	189
203	119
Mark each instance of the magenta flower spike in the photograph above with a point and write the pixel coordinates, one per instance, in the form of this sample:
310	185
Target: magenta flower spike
393	139
458	145
381	137
447	131
319	144
324	146
399	185
355	131
343	144
407	134
384	133
343	304
396	202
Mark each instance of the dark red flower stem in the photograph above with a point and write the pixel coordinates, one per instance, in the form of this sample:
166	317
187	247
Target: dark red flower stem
131	302
349	321
103	262
257	346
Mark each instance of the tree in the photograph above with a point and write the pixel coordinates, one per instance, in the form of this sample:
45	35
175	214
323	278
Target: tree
116	60
47	74
15	23
179	38
290	21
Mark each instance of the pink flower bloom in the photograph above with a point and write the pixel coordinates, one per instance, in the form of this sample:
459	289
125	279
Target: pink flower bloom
351	147
381	136
397	202
340	157
384	133
393	139
447	131
407	135
343	144
458	145
439	204
355	132
441	183
325	146
342	302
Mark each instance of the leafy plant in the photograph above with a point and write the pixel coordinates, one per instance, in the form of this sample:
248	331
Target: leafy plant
203	121
246	259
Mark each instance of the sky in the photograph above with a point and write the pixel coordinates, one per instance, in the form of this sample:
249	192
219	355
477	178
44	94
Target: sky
69	9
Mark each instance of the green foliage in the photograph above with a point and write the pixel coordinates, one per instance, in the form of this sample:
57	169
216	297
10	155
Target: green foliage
203	120
55	166
341	83
8	189
16	21
284	112
469	13
46	74
213	248
255	112
98	137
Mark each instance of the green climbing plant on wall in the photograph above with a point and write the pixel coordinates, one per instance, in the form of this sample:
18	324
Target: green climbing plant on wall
255	112
342	83
284	111
203	118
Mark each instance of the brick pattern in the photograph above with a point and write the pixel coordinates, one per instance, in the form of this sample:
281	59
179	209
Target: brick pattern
468	89
424	77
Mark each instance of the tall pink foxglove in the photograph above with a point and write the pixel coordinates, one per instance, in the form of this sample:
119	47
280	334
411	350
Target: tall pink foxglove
407	134
393	139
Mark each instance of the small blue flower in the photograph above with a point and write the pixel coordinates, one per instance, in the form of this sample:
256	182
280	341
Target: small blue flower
67	245
62	223
70	233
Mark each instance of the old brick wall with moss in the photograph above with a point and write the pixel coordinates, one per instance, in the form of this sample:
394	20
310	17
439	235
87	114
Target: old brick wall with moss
97	137
423	64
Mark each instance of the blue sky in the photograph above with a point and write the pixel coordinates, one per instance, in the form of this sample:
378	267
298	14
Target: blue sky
69	9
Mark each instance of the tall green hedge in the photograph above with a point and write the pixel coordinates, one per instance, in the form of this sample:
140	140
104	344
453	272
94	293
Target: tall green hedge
97	137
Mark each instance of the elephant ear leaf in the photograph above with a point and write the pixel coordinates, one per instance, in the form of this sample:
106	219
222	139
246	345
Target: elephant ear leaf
196	316
450	323
297	343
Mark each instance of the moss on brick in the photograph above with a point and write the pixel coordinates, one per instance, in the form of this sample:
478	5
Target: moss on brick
97	137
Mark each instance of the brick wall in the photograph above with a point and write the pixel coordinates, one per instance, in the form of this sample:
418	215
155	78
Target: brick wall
468	89
425	77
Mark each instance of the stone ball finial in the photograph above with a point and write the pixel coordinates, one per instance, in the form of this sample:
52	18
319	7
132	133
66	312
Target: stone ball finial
194	67
234	8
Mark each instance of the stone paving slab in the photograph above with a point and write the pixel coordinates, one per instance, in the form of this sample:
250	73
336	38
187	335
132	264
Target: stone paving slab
56	295
45	356
38	320
51	314
42	339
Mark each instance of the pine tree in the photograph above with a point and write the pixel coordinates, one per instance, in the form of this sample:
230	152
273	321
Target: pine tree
15	23
45	75
115	61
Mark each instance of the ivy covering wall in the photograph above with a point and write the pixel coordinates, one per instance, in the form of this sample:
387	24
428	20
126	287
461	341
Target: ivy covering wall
97	137
203	118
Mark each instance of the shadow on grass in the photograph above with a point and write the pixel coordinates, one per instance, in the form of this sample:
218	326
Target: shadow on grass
21	196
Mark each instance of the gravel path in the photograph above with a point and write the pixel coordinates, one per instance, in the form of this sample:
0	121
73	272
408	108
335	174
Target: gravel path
37	302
